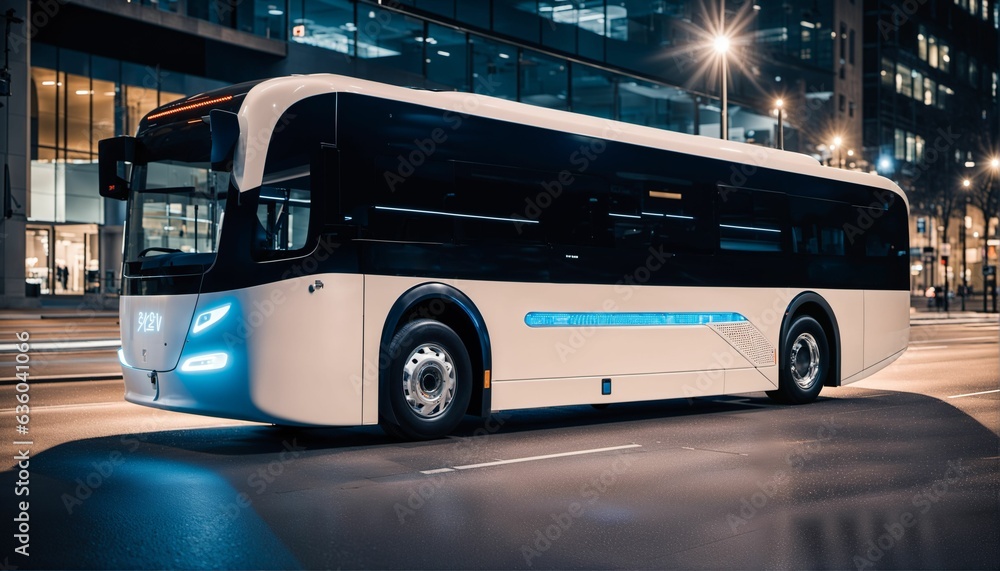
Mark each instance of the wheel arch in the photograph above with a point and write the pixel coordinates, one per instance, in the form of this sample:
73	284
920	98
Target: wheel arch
450	306
814	305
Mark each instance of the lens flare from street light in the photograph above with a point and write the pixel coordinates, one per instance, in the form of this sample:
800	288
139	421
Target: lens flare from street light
837	141
721	44
779	103
995	162
966	183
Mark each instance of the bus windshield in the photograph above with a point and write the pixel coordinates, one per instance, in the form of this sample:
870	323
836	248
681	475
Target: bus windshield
176	208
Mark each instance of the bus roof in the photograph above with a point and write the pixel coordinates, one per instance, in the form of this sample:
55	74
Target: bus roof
258	115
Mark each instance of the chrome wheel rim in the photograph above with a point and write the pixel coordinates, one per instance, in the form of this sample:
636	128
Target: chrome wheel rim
804	361
429	381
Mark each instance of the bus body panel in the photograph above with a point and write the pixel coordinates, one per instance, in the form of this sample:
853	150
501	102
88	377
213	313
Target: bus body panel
291	356
523	352
153	329
303	348
849	313
220	393
885	333
874	368
536	393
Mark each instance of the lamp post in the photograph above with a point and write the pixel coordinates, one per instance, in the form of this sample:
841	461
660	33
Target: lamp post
780	104
721	44
994	174
966	183
838	145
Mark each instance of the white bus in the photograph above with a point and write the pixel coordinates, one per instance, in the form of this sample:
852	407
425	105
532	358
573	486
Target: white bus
323	250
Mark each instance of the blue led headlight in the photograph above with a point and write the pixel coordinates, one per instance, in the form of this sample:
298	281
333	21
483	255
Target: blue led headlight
208	318
209	362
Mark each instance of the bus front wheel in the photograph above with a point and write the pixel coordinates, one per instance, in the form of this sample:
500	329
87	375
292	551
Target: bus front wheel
430	380
803	362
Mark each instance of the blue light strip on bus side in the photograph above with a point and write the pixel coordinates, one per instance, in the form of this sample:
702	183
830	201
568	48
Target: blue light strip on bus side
456	215
638	319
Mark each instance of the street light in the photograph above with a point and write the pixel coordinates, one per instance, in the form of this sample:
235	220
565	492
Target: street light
838	145
721	44
966	183
780	104
995	167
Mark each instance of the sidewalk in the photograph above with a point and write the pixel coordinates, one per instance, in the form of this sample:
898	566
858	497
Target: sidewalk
951	317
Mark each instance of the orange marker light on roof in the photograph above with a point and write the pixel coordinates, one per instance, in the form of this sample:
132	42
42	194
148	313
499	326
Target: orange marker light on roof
190	106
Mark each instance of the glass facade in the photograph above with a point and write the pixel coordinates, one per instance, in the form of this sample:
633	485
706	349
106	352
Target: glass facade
490	55
77	100
628	60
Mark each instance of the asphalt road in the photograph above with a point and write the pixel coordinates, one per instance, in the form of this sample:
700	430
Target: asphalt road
888	473
89	336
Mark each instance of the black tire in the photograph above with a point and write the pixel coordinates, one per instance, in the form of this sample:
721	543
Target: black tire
800	378
430	381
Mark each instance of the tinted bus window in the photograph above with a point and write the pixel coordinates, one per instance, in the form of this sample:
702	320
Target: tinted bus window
751	220
817	226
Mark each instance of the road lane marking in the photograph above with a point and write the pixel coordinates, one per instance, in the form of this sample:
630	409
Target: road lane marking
974	394
530	459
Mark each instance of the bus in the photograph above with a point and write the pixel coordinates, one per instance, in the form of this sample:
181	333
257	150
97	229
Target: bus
321	250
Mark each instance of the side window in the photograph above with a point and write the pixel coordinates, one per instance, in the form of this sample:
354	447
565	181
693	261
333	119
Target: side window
414	208
579	214
751	220
500	204
677	214
817	226
285	201
878	229
283	215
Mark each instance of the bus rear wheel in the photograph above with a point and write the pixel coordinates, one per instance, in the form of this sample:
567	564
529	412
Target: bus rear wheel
430	381
803	362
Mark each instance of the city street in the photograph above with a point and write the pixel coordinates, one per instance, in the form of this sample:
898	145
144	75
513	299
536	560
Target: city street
897	471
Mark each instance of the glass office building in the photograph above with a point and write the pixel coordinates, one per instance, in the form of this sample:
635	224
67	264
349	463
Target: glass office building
96	67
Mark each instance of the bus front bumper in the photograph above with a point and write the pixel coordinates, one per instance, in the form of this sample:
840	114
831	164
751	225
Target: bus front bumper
203	386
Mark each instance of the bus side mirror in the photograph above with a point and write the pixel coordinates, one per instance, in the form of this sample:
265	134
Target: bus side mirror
111	153
225	133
